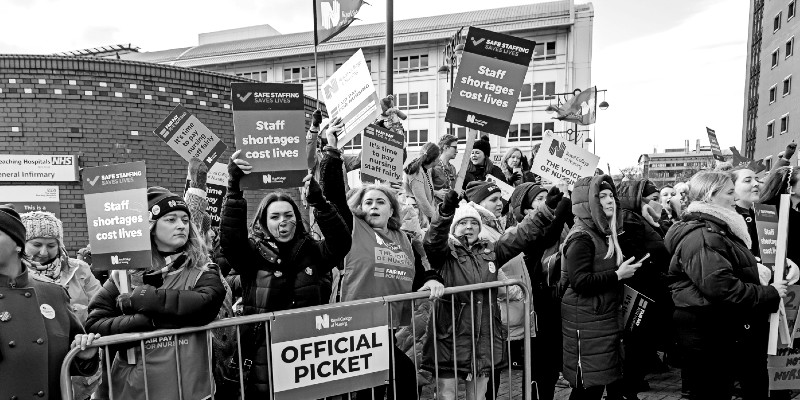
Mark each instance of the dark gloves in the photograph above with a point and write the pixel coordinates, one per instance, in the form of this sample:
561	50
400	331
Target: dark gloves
234	175
554	196
132	303
314	195
512	180
563	212
198	173
790	149
316	118
450	203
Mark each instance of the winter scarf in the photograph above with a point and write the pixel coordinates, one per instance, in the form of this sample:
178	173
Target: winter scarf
50	272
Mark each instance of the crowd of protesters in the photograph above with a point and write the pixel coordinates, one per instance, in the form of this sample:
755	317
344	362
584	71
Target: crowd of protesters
691	248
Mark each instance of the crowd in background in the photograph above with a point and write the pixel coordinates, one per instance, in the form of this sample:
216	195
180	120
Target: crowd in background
691	248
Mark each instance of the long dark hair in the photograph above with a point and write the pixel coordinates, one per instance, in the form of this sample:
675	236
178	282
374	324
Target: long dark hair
258	226
776	184
430	153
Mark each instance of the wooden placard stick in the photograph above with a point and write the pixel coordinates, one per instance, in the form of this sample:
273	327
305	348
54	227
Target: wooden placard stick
465	160
777	320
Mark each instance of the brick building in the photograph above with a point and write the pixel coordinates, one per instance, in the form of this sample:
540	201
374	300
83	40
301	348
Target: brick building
104	111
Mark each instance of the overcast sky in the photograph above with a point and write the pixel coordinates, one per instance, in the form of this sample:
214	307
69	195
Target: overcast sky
671	67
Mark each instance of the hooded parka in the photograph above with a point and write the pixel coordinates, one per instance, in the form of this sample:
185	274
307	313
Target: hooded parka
590	307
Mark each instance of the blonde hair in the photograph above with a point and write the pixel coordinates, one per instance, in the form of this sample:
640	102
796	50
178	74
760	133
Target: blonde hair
195	248
706	184
613	239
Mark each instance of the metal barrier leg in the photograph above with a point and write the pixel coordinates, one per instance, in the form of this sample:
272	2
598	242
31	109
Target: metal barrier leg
474	350
508	350
267	341
453	339
434	337
144	370
210	352
414	346
491	342
108	375
178	366
239	359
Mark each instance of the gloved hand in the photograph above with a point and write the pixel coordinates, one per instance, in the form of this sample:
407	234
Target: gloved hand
764	274
124	303
316	118
516	176
450	203
314	195
236	170
554	196
794	273
563	211
141	296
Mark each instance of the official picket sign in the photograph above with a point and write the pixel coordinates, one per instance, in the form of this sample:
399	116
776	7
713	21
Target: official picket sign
269	127
559	159
31	198
182	131
38	168
490	76
319	353
350	94
767	228
382	155
117	215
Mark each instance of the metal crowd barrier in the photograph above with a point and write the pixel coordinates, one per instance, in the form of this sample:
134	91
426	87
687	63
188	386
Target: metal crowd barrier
105	342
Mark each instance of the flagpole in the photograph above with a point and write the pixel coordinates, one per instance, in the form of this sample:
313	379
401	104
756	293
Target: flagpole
316	76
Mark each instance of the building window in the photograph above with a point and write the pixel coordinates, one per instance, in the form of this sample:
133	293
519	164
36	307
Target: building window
769	164
259	76
416	137
787	85
776	22
784	124
544	51
354	144
770	129
525	92
790	11
411	63
528	132
773	94
789	47
775	55
544	91
412	101
299	74
339	65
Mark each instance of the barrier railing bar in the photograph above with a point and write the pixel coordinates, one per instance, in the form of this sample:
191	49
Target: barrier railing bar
106	341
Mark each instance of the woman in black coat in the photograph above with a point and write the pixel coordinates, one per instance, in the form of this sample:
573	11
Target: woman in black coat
721	307
280	265
589	309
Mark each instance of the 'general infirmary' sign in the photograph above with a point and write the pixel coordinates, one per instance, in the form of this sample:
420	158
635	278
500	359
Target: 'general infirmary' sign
38	168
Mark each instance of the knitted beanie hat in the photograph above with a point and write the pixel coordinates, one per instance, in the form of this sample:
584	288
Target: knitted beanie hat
465	210
161	202
477	191
11	224
483	145
649	188
42	224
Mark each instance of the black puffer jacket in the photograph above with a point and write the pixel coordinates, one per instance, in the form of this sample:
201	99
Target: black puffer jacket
639	238
277	277
712	265
479	172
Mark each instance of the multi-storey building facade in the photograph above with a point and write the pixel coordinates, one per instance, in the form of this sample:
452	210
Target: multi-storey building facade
771	115
562	63
677	165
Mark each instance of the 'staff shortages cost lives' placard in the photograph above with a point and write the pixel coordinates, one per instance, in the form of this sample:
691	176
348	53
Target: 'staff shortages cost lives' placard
489	79
117	216
320	353
269	126
182	131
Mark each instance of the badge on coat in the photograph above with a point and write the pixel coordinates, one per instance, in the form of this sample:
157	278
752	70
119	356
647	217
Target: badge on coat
47	311
309	271
278	274
5	316
492	268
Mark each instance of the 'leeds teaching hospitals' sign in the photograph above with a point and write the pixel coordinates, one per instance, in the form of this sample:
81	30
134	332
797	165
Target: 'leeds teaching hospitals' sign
38	168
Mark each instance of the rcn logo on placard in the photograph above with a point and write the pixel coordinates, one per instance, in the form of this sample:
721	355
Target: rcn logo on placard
331	13
557	148
268	178
323	322
473	120
331	88
245	97
115	260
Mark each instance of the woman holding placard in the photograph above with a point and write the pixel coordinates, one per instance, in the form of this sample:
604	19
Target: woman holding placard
721	305
181	288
